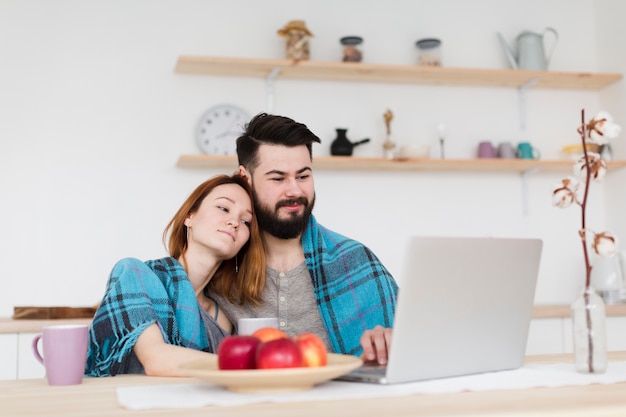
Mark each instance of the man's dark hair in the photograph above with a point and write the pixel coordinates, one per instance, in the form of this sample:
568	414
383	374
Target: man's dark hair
273	130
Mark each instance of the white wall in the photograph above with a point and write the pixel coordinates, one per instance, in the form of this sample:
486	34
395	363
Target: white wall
610	30
93	119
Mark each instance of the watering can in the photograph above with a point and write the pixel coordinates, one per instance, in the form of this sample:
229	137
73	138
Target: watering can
530	51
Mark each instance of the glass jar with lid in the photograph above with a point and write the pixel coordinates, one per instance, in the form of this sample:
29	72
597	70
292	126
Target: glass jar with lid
352	48
429	52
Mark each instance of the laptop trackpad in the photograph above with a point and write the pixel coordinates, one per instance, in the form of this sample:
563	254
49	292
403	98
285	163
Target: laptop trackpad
369	372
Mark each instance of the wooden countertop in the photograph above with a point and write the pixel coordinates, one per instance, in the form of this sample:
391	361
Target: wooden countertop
9	325
96	397
563	311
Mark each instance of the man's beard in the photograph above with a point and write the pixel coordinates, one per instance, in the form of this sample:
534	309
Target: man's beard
289	228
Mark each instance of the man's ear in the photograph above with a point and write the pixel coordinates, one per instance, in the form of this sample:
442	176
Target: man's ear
244	173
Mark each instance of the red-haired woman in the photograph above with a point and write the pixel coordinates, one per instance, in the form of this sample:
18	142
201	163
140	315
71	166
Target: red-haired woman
156	314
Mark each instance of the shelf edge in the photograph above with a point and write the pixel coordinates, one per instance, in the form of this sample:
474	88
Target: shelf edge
551	311
202	161
406	74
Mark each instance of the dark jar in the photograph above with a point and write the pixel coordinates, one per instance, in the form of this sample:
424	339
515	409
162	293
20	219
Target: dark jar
429	52
352	48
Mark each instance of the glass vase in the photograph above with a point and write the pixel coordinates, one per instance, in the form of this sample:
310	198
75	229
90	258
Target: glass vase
589	330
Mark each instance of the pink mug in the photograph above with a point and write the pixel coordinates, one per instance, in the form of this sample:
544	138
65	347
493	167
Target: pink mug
64	353
486	150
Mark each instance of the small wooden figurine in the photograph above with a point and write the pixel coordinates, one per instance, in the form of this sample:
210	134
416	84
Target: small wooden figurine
388	145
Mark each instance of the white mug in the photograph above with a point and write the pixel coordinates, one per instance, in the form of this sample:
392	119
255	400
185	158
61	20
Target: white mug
247	326
414	151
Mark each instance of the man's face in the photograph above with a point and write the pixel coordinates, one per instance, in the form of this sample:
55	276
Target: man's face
284	193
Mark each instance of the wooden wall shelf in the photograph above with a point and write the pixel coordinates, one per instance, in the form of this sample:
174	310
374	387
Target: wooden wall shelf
272	69
380	164
406	74
564	311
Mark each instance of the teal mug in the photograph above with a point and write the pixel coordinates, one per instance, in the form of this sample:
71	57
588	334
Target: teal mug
527	151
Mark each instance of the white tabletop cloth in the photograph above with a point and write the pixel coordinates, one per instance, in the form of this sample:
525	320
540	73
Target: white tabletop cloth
193	395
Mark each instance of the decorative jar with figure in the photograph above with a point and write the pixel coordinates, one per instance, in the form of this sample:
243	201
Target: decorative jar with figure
297	35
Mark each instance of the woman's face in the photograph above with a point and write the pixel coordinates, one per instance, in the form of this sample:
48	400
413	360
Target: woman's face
222	223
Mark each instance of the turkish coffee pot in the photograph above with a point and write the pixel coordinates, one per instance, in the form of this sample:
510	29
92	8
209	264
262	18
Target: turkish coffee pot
341	146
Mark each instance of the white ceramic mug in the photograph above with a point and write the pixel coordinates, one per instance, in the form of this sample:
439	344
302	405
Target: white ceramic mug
608	277
246	326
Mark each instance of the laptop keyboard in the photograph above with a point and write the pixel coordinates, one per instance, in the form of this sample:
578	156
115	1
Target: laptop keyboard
372	368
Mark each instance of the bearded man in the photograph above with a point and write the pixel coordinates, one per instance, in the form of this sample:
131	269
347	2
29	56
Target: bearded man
316	280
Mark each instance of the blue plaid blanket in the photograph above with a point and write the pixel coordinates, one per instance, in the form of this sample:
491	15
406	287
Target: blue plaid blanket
354	291
137	295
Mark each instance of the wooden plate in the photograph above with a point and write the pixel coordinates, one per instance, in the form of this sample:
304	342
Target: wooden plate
271	380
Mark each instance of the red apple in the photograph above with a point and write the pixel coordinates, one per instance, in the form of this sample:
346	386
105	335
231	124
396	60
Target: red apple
279	353
237	352
314	352
266	334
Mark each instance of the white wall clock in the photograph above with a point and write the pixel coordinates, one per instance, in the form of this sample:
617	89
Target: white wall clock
219	129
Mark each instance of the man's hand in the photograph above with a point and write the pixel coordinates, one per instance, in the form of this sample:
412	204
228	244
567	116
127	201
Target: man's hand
376	344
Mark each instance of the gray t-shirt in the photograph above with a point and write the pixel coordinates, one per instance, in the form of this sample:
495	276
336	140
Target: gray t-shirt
290	297
214	332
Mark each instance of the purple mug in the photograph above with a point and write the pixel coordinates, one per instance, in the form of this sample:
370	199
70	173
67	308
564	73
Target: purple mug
486	150
64	353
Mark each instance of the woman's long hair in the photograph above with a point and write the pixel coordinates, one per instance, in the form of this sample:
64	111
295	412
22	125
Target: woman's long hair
240	279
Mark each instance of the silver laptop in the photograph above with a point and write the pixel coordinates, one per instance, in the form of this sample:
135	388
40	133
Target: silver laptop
464	307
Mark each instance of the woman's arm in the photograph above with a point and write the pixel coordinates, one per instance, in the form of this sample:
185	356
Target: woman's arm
159	358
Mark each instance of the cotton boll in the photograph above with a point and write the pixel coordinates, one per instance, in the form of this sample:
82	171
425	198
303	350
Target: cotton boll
601	128
605	244
564	194
597	167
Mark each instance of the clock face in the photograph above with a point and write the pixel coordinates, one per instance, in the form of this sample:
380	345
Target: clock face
219	129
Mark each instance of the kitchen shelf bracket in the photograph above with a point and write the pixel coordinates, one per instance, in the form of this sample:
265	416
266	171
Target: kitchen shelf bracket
522	100
525	175
269	88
